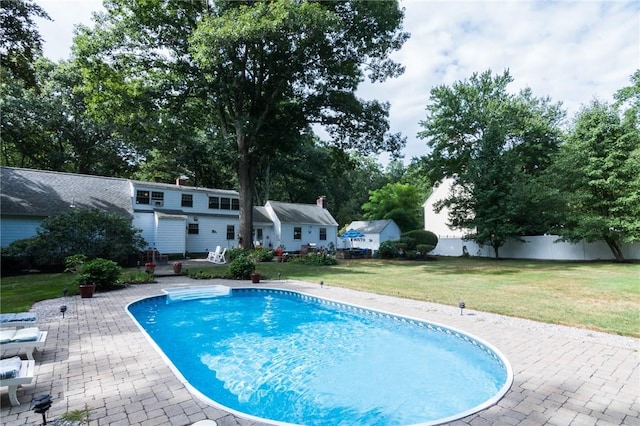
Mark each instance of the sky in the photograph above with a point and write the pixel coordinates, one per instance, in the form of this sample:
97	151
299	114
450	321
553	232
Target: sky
571	51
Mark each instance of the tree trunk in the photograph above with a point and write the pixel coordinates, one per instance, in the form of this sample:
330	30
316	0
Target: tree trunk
615	249
246	171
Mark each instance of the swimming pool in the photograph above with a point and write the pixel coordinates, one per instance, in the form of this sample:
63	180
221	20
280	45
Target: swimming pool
288	358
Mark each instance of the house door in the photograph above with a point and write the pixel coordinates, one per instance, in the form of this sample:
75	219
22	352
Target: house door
258	237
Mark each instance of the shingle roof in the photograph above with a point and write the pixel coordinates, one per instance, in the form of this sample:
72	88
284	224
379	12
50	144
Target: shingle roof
306	214
260	215
29	192
371	226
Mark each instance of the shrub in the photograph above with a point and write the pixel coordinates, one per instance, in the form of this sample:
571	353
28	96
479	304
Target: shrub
241	268
262	255
316	259
103	273
388	249
422	236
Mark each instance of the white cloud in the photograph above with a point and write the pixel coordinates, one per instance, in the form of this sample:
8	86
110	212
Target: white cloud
571	51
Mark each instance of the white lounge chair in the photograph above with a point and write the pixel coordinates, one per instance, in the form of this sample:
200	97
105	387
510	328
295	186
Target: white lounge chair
14	373
26	338
217	256
18	320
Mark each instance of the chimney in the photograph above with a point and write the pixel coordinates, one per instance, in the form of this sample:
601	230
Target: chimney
181	181
322	201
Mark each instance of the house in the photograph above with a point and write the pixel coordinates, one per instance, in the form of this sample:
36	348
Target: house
451	241
297	225
374	231
438	222
174	218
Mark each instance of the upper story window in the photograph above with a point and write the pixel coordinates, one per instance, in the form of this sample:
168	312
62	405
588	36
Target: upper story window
297	233
235	204
187	200
214	202
323	234
225	203
157	198
142	197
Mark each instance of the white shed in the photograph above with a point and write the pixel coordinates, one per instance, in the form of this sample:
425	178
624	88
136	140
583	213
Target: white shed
375	232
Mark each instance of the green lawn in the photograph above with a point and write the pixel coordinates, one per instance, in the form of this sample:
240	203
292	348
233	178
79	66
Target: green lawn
594	295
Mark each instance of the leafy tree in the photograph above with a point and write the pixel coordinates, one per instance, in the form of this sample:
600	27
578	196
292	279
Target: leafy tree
257	74
493	144
20	42
597	175
47	127
398	201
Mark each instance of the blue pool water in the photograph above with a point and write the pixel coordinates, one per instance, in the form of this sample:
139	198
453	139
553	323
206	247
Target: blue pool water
290	358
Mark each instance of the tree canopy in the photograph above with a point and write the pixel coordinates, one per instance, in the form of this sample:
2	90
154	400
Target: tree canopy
252	75
597	177
20	41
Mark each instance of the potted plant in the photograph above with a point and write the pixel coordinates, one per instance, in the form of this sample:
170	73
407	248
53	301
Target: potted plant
177	267
92	274
150	267
255	277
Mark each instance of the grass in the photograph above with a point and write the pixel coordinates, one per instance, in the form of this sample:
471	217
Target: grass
599	296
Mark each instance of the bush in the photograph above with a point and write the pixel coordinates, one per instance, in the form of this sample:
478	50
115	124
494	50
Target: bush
316	259
388	249
421	236
262	255
103	273
93	233
241	268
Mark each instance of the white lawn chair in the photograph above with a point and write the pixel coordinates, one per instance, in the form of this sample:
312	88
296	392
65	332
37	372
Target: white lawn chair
214	254
218	258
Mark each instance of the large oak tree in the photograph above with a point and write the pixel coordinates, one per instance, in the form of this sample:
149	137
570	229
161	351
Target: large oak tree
255	76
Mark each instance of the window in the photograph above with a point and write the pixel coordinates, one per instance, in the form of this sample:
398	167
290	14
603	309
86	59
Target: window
187	200
235	204
323	234
297	233
225	203
231	232
157	198
142	197
214	202
193	228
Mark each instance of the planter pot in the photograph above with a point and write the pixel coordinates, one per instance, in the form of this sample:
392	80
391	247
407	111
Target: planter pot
255	278
177	268
87	290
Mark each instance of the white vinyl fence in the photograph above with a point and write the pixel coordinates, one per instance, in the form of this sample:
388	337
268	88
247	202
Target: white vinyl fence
537	247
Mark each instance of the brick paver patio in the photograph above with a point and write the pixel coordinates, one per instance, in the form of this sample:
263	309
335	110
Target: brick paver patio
97	356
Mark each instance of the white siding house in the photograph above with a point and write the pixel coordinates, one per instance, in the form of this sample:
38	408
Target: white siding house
451	242
173	218
297	225
375	232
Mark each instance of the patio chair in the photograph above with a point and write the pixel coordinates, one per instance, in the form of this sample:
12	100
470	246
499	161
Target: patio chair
26	339
214	254
219	258
14	373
